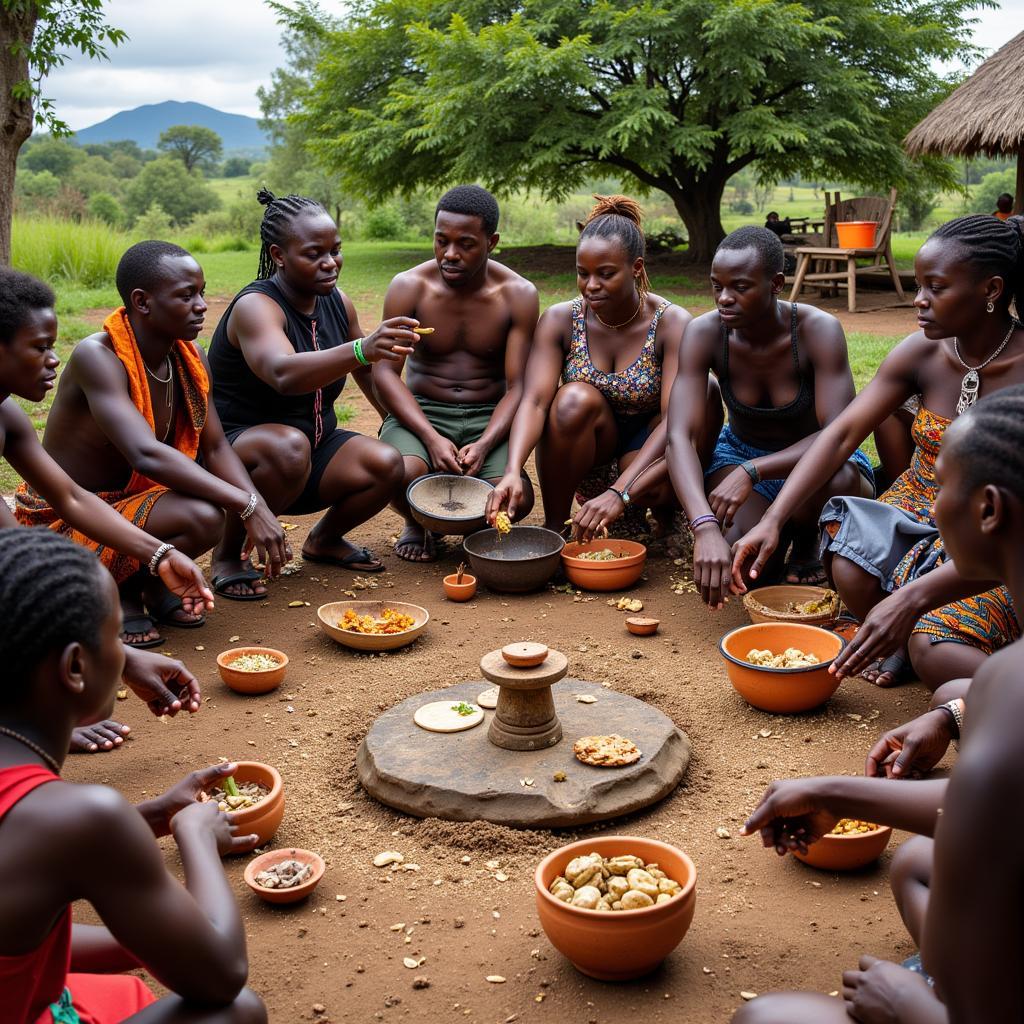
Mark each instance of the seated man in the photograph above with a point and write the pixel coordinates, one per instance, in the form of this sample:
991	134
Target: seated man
129	418
777	226
1004	206
464	381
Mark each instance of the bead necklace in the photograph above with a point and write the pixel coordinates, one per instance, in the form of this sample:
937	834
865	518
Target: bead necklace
34	747
970	386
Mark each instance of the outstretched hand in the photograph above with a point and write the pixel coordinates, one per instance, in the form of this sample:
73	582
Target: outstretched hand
208	817
755	548
912	749
165	684
159	811
596	515
182	577
792	814
508	495
884	631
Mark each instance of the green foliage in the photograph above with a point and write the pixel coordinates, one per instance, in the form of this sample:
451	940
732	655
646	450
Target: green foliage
154	223
233	228
38	186
235	167
195	145
103	206
51	154
991	186
59	250
167	183
384	222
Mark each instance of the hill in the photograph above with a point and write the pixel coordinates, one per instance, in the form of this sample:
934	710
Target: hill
144	125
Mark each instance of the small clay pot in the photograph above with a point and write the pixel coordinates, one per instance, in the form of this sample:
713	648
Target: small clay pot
525	654
264	819
846	853
463	591
293	894
252	682
640	625
615	574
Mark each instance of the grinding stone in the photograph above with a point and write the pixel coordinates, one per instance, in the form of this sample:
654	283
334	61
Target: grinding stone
439	717
464	777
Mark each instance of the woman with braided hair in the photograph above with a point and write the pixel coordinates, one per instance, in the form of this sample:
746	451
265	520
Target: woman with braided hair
279	358
885	557
597	385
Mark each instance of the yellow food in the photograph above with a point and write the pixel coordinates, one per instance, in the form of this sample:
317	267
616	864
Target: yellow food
254	663
625	882
790	658
604	555
390	621
249	794
825	603
502	523
423	330
852	827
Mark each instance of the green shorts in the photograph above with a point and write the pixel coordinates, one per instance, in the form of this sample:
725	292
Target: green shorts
461	424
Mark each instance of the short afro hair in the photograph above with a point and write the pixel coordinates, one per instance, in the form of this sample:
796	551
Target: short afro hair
473	201
20	295
139	267
765	243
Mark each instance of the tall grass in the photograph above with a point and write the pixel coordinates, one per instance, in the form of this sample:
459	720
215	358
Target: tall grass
58	250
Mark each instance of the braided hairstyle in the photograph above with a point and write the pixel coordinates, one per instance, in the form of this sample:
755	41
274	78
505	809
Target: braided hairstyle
280	213
50	597
988	441
993	246
621	218
765	243
20	295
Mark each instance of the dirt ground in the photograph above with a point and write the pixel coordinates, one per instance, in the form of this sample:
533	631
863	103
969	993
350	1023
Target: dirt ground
761	923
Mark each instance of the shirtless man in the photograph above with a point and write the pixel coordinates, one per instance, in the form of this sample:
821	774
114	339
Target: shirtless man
128	409
464	381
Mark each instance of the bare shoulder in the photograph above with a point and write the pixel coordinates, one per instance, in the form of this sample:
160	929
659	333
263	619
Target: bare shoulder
412	281
704	328
674	315
93	360
80	815
513	284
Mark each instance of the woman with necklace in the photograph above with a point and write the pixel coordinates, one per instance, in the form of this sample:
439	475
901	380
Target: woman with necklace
885	557
614	351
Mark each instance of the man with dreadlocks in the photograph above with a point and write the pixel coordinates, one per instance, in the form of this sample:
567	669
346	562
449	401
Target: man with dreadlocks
279	357
130	417
464	381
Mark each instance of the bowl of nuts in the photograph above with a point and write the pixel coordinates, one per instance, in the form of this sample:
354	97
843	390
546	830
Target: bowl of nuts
252	669
616	906
284	876
253	798
604	564
850	845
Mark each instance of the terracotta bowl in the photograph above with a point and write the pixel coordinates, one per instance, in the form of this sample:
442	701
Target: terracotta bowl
525	654
330	614
252	682
265	818
846	853
464	591
272	857
623	944
769	604
640	625
617	574
781	690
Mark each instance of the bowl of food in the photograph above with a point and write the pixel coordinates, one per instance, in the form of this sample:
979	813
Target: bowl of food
604	564
780	666
372	625
813	606
850	845
616	906
253	798
642	625
284	876
252	669
515	561
449	504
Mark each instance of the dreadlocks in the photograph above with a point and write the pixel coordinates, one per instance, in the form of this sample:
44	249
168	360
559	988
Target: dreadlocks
277	218
622	218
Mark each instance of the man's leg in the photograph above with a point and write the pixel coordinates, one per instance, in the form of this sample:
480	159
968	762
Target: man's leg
936	663
910	876
416	542
793	1008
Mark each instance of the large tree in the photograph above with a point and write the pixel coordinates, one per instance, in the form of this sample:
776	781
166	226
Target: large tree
669	95
194	144
35	36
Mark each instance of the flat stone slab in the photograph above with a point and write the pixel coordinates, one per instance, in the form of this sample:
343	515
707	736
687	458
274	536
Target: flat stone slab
464	777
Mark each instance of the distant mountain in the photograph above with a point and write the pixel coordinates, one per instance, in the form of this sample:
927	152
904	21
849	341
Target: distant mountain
144	125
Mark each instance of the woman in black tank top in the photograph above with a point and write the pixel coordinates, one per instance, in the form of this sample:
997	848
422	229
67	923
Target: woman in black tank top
279	359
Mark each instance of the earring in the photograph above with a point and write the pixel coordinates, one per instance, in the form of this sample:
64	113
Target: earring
990	308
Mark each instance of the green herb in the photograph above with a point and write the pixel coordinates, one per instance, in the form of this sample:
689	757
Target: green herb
464	709
229	786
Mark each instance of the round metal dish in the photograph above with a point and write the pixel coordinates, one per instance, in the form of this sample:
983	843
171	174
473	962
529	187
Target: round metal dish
517	563
449	504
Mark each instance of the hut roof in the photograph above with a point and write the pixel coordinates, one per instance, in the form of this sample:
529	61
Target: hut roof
984	115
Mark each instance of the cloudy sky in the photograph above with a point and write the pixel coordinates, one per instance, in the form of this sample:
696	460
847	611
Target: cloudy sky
219	51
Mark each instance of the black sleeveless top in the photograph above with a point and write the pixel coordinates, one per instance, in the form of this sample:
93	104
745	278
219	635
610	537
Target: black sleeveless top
243	400
794	411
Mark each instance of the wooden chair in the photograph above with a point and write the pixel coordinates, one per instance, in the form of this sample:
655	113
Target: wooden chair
840	264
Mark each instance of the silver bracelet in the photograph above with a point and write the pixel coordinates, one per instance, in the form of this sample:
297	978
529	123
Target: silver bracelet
954	708
158	556
254	500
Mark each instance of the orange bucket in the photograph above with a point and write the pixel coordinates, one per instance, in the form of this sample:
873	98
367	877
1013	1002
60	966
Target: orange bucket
856	234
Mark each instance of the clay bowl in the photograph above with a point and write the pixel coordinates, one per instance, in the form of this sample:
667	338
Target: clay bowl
846	627
617	574
265	818
252	682
640	625
427	495
330	614
623	944
525	654
781	690
464	591
769	604
846	853
272	857
523	560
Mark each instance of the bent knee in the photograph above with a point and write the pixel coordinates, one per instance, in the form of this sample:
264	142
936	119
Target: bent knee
205	523
386	464
576	404
289	457
248	1008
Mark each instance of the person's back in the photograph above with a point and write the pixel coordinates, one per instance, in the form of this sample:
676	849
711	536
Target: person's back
1004	206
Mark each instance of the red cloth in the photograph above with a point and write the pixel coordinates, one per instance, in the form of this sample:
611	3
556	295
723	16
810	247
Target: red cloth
29	983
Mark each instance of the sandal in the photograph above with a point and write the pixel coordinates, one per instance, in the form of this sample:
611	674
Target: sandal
140	623
230	579
352	560
163	612
806	574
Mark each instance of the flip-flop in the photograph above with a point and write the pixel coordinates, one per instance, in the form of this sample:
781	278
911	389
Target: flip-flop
808	574
900	668
221	583
348	562
140	623
163	612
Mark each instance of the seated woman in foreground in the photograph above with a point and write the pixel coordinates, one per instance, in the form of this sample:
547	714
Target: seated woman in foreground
784	374
964	918
614	350
64	842
885	557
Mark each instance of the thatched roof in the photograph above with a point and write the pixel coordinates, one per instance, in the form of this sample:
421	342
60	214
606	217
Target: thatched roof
984	115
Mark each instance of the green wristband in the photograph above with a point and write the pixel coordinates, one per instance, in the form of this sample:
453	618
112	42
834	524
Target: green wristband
357	348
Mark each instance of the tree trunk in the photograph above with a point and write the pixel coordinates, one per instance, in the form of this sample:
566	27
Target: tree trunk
16	27
699	207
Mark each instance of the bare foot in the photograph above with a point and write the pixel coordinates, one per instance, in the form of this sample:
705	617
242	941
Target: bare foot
415	544
99	737
166	607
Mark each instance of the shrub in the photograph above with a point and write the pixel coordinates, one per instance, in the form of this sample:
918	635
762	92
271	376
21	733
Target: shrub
235	167
103	206
165	181
991	186
154	223
384	223
58	250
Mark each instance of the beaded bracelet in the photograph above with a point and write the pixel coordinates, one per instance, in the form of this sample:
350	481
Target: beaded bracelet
246	513
357	350
158	555
956	709
701	520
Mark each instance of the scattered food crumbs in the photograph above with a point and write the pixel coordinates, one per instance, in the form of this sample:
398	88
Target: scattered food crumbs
296	604
382	860
122	694
200	647
559	776
723	833
420	981
495	979
501	877
233	639
748	995
410	963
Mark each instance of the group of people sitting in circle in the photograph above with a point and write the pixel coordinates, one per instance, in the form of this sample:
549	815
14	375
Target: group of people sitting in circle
155	452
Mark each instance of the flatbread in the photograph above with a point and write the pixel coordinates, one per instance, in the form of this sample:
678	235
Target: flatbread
488	699
439	716
611	751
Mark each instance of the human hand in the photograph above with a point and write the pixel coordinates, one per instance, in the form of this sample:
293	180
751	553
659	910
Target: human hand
759	544
730	495
181	576
443	454
792	814
712	565
912	749
596	515
508	495
164	684
884	631
265	536
161	809
471	457
199	818
394	339
877	993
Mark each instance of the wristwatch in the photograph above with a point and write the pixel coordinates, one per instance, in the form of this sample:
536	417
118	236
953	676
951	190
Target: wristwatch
624	495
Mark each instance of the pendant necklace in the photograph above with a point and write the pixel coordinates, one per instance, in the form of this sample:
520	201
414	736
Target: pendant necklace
168	383
51	762
615	327
970	386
